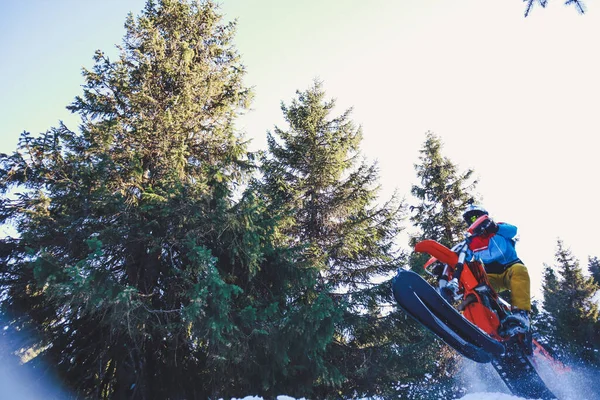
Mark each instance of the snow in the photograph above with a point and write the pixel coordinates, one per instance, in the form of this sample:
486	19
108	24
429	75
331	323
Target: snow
260	398
472	396
490	396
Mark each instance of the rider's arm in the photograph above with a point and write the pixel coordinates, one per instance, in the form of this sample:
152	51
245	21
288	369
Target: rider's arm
507	230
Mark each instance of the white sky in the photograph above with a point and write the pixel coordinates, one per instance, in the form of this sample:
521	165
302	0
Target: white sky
513	98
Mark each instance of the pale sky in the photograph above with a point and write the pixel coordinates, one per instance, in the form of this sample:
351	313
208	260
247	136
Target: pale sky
513	98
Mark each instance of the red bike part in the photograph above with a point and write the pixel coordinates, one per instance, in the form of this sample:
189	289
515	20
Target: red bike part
468	281
472	275
484	318
557	365
429	262
437	250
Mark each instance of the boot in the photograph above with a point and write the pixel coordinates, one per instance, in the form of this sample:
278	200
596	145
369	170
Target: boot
515	323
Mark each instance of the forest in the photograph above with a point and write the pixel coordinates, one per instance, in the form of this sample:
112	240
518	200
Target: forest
156	256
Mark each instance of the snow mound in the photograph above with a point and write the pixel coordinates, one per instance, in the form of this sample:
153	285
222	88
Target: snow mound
490	396
280	397
471	396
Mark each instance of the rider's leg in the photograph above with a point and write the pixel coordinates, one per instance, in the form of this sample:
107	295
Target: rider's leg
497	282
515	279
520	286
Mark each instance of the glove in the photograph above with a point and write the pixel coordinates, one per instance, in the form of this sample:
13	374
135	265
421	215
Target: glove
453	286
449	290
487	227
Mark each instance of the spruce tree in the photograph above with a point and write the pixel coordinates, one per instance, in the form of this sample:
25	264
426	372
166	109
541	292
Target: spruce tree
578	4
569	301
545	321
594	269
130	254
441	196
325	198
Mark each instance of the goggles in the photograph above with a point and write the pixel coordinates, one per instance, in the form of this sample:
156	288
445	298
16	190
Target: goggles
472	217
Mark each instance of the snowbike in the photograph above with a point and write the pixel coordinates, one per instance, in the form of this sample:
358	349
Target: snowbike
473	325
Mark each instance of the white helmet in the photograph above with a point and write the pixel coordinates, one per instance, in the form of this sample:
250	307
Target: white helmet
473	212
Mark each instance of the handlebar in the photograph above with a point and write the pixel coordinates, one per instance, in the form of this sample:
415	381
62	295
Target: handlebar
461	250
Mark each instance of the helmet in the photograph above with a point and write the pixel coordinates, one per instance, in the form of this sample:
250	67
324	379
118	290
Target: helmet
473	212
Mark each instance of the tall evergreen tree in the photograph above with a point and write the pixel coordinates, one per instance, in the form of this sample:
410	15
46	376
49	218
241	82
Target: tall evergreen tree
594	269
545	321
578	4
442	195
569	300
130	255
325	196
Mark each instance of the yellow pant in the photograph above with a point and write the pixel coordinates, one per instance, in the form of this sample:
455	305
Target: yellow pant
515	279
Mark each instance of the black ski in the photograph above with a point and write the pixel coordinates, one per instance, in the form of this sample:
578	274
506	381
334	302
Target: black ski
516	370
423	303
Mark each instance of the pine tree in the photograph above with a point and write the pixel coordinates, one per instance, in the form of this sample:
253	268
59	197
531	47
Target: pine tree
325	198
569	300
544	322
578	4
594	269
130	254
442	194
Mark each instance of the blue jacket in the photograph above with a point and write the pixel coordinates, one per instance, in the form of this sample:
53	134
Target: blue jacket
496	251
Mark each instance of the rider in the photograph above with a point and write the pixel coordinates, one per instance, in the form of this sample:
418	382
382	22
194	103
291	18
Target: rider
493	243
